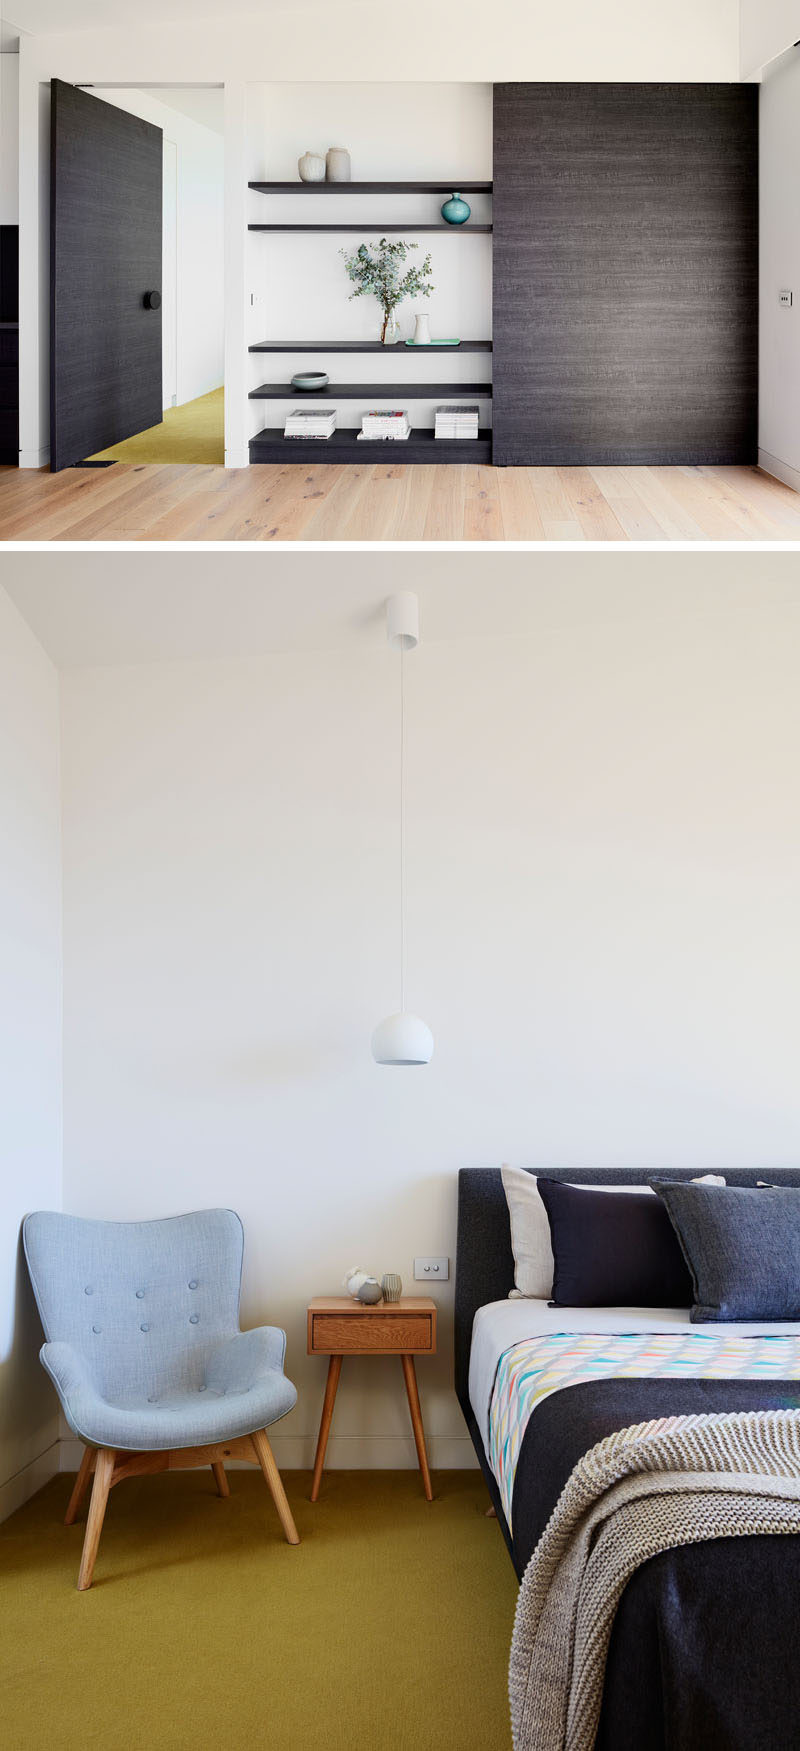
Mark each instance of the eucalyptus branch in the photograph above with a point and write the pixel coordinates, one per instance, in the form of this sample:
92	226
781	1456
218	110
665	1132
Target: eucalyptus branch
375	269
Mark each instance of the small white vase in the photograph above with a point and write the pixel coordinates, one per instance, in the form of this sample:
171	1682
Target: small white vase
422	329
337	164
311	167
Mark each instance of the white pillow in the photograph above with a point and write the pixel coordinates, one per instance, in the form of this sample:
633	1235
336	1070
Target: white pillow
530	1230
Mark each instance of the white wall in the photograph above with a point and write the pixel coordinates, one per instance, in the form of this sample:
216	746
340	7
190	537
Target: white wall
298	285
30	1038
766	32
9	139
193	302
460	42
603	861
779	394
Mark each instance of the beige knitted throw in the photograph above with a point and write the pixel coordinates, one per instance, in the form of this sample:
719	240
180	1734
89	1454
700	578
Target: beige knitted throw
642	1490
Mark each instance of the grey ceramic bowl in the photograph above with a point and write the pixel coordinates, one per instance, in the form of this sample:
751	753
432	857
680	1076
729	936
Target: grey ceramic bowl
311	380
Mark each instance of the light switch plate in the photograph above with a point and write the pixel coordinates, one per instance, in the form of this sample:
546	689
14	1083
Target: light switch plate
430	1270
786	298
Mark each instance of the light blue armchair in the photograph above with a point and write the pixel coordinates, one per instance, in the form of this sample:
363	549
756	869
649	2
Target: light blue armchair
145	1352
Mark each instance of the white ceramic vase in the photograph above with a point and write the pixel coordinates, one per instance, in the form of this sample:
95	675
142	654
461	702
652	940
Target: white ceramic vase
311	167
337	164
422	329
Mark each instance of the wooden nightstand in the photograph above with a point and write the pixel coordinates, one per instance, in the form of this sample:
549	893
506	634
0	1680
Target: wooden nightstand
338	1326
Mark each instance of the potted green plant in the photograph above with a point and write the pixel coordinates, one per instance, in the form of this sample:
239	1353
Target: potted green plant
376	268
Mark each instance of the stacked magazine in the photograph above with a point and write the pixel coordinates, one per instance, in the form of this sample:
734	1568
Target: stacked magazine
392	423
310	422
456	422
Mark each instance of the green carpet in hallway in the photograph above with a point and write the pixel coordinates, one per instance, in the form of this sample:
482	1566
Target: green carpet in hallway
387	1629
192	433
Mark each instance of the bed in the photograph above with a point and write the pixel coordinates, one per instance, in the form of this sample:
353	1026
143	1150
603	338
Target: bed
703	1650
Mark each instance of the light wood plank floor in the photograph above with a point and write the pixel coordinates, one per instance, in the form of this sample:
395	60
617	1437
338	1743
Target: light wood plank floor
384	502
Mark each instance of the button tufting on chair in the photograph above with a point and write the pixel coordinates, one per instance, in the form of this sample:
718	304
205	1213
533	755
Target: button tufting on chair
194	1319
97	1328
140	1295
88	1291
193	1283
144	1327
202	1388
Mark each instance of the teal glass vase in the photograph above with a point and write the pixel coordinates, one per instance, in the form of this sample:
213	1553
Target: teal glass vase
456	211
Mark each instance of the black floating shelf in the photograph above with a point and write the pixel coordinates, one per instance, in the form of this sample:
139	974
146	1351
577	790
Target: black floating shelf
346	446
369	392
374	230
372	188
364	346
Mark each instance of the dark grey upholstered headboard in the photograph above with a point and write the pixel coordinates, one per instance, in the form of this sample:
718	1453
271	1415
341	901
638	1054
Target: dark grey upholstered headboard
484	1260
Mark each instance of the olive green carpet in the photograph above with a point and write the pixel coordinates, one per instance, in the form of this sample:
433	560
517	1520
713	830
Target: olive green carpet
387	1629
192	433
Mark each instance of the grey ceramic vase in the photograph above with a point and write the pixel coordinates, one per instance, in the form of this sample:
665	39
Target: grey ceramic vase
370	1292
392	1286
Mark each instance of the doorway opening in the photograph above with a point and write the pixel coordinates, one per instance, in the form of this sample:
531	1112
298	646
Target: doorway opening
192	427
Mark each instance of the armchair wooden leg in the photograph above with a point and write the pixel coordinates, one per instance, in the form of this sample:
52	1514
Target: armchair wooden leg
266	1460
220	1479
84	1473
103	1471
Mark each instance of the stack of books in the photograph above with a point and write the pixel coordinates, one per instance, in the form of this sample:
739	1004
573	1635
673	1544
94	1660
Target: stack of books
392	423
310	422
456	422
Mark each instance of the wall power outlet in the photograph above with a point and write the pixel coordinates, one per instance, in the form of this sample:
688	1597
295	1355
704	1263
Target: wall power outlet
429	1269
786	298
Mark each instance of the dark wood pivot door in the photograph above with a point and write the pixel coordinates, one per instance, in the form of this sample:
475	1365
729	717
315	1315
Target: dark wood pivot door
105	272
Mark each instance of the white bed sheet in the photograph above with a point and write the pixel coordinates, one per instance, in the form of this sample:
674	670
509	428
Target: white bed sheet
500	1324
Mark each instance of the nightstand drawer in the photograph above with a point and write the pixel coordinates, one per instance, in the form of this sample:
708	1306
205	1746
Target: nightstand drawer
335	1333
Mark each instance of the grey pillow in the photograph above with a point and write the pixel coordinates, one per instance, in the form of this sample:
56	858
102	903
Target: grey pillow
742	1246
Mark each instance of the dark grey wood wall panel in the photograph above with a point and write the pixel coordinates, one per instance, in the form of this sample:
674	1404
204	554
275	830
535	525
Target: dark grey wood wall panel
105	237
625	273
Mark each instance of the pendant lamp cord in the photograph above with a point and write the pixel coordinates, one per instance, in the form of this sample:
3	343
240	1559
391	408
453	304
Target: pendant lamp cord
402	833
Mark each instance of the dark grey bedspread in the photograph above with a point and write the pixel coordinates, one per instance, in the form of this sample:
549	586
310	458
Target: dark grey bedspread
705	1650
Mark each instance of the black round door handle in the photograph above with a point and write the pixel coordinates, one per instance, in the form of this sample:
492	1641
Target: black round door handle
152	300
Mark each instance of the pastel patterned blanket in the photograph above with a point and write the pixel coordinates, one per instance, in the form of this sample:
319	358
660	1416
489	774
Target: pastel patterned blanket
528	1372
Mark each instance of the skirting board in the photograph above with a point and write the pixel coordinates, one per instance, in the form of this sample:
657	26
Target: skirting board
781	470
25	1483
345	1453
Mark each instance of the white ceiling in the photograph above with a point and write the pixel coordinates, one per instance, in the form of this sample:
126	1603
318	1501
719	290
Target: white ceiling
43	16
89	608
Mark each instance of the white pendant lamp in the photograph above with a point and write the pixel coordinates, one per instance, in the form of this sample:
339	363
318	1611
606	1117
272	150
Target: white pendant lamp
402	1038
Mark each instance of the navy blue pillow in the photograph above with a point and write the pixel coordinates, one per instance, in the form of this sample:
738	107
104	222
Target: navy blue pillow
613	1249
742	1246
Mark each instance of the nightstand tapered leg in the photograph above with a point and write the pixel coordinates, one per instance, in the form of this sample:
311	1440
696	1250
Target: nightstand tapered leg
410	1375
334	1370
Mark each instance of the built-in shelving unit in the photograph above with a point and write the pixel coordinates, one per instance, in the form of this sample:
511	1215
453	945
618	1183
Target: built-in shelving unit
371	188
370	230
346	446
364	346
272	446
367	391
